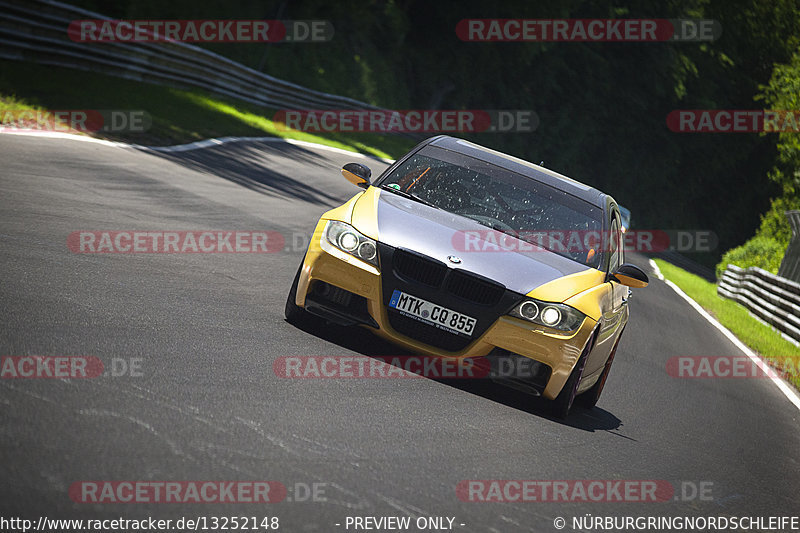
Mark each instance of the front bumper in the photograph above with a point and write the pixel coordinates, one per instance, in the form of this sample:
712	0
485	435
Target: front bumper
331	271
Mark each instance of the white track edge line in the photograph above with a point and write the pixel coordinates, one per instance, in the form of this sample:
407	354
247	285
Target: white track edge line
784	387
196	145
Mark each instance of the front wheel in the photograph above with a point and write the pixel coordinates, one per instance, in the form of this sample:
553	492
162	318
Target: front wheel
294	313
589	398
563	402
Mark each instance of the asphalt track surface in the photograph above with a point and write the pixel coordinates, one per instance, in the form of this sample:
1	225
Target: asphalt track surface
206	329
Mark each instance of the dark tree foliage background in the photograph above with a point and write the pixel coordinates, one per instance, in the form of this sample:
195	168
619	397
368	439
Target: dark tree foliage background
602	106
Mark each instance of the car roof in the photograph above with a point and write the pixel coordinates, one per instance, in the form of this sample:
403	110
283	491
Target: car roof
525	168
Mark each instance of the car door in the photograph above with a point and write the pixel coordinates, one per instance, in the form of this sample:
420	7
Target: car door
614	304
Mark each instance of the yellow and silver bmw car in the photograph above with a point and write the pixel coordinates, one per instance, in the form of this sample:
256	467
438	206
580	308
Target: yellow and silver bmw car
459	251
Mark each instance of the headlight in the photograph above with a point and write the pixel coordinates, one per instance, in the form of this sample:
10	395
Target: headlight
552	315
347	239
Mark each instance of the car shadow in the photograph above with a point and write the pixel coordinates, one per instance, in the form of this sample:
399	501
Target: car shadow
250	165
594	419
363	342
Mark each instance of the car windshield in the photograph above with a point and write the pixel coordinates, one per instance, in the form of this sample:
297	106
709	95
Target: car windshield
502	200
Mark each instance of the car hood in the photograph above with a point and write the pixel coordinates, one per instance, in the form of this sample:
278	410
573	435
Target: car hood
403	223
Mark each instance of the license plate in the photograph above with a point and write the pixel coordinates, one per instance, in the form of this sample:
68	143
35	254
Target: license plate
430	313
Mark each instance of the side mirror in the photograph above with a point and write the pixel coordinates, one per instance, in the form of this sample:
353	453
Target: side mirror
631	276
357	174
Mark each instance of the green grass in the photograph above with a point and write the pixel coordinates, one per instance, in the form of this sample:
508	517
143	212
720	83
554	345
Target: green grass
759	337
178	116
10	106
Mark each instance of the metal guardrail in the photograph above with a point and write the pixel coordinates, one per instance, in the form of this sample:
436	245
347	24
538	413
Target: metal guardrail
790	265
687	264
774	299
36	31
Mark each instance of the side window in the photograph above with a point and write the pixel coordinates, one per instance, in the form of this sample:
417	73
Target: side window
613	248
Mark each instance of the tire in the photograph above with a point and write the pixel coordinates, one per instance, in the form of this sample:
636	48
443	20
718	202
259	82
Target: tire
295	314
561	406
589	398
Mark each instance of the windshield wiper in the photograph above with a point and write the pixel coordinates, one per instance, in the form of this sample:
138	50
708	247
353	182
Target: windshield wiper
408	195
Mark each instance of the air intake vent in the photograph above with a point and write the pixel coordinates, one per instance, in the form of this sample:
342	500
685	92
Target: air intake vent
475	289
419	268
